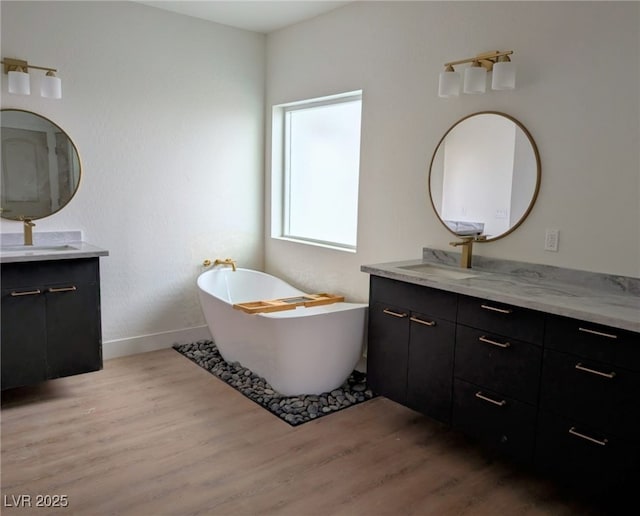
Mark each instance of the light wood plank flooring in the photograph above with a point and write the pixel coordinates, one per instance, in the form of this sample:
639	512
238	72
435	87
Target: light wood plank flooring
154	434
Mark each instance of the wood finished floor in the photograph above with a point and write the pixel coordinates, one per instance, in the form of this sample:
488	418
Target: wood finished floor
154	434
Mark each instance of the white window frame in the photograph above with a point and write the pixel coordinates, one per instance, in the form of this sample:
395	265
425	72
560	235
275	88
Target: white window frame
280	169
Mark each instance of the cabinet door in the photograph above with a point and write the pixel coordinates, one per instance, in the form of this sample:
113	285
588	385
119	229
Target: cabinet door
387	352
73	329
430	367
23	337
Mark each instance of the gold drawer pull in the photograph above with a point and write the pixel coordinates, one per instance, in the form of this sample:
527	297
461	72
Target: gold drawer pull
54	290
599	333
580	367
420	321
26	293
63	289
573	431
496	309
395	314
500	403
494	343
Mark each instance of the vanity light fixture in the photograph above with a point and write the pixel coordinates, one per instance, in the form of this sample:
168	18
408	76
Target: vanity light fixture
475	76
19	80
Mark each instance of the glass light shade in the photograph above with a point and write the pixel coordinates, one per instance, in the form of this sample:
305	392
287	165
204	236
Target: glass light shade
504	76
19	83
51	87
449	84
475	79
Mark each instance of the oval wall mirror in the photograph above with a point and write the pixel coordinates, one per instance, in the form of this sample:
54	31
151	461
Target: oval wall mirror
40	166
484	176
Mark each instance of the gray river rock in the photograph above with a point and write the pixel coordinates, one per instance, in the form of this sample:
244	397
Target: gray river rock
295	410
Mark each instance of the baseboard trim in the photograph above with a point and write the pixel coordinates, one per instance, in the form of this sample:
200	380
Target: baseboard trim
152	342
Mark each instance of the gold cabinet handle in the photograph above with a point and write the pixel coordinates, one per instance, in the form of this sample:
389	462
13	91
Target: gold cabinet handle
26	293
599	333
573	431
420	321
580	367
63	289
500	403
494	343
496	309
395	314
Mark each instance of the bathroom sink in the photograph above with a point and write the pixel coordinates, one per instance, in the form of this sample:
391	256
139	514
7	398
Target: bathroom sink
36	248
441	272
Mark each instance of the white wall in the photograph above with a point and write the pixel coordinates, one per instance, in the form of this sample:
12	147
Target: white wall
586	127
167	113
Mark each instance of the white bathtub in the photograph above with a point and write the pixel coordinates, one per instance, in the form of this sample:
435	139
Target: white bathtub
301	351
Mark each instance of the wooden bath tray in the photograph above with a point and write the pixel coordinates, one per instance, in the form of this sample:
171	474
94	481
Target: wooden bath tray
288	303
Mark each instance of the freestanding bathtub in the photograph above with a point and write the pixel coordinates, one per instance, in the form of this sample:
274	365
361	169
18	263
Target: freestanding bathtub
301	351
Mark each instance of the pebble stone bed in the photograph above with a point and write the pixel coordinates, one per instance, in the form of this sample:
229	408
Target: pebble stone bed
295	410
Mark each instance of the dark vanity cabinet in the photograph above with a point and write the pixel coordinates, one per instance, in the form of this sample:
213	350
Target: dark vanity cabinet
411	344
50	318
497	371
550	392
589	419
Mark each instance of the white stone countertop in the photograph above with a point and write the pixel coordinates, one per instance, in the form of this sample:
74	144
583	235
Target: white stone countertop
599	298
64	245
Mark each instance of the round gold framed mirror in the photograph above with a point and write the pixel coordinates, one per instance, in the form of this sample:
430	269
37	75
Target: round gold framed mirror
41	167
484	176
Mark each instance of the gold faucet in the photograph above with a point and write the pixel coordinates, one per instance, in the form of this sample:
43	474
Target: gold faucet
28	230
467	245
226	261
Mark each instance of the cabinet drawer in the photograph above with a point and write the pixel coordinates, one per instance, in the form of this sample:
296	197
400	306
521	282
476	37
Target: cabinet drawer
27	274
501	423
603	343
504	365
436	303
594	393
584	457
501	319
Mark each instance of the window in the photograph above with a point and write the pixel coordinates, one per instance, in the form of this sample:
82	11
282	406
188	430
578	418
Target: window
316	163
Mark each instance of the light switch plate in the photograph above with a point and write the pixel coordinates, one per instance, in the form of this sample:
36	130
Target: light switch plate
551	240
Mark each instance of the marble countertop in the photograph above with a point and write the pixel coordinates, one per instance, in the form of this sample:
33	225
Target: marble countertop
599	298
62	245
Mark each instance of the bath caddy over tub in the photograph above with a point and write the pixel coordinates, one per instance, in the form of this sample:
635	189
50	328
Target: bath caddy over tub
288	303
